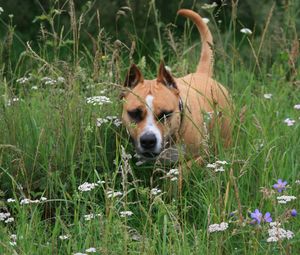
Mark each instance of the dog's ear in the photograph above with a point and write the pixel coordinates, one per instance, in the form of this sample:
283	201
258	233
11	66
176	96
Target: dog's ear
134	77
165	77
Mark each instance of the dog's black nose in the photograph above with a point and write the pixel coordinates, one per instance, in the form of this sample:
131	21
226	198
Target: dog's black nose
148	141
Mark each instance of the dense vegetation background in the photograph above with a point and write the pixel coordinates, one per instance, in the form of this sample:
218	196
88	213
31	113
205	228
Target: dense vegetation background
69	181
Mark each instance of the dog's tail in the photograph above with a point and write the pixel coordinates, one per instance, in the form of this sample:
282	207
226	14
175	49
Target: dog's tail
205	64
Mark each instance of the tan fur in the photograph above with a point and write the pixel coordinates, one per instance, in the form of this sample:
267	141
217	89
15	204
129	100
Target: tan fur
199	92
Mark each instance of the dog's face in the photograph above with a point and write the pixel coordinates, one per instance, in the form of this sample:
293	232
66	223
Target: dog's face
151	111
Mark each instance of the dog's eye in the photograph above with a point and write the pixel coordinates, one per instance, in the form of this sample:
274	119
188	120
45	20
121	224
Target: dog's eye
136	115
164	115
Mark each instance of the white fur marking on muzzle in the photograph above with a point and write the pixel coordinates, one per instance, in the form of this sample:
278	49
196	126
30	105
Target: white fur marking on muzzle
150	125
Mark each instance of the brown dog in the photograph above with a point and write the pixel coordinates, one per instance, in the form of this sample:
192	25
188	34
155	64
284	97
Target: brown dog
165	110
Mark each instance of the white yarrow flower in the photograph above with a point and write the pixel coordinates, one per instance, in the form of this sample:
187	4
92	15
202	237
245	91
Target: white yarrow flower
155	191
285	199
297	106
10	200
217	227
113	194
124	214
87	186
64	237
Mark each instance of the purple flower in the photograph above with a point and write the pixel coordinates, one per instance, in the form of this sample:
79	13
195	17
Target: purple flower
267	217
293	212
280	185
256	216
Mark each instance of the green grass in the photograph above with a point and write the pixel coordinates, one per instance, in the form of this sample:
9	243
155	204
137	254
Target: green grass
50	144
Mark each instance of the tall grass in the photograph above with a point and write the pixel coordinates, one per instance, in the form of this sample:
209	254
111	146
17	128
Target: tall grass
50	144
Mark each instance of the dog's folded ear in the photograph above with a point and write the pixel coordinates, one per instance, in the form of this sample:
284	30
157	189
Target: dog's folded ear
134	77
165	77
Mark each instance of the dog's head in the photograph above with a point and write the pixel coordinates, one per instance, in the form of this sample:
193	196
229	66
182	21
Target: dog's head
151	110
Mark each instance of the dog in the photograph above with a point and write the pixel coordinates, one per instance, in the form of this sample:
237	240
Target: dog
169	110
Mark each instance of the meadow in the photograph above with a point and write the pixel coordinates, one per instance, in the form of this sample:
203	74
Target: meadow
70	180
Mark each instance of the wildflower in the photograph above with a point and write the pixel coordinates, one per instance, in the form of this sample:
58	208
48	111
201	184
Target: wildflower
246	31
60	79
101	182
100	121
209	6
4	216
155	191
285	199
218	165
34	87
64	237
124	214
268	96
217	227
220	169
48	81
1	10
297	181
280	185
267	217
9	220
112	194
205	20
256	216
22	80
91	216
87	186
293	212
43	199
10	200
297	106
276	233
91	250
98	100
80	253
289	122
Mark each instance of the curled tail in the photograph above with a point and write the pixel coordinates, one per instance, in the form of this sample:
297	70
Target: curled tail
205	64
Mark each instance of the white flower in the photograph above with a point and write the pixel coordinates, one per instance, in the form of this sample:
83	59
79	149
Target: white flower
277	233
220	162
98	100
13	243
4	216
80	253
155	191
289	122
209	6
124	214
91	250
112	194
100	121
205	20
48	81
174	179
10	200
172	172
297	181
285	199
297	106
213	165
220	169
268	96
9	220
34	87
64	237
101	182
22	80
87	186
1	10
91	216
217	227
43	199
246	31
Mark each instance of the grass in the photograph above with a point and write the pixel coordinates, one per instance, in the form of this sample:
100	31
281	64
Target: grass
50	145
